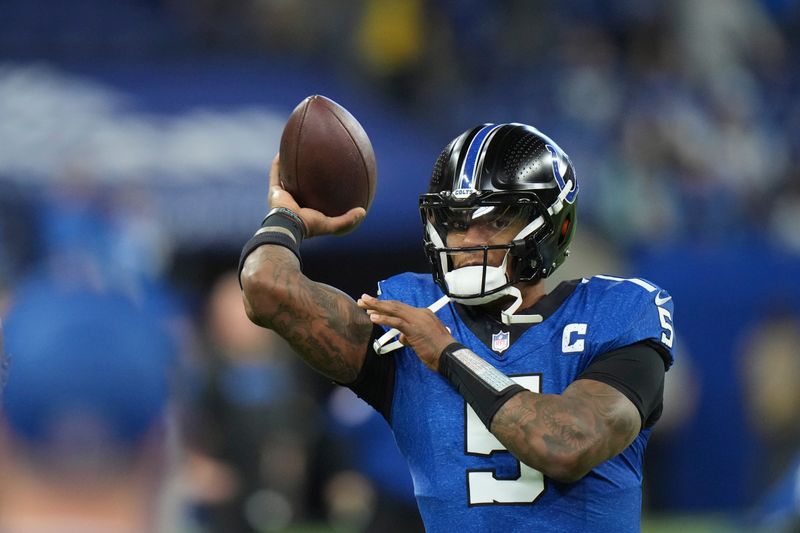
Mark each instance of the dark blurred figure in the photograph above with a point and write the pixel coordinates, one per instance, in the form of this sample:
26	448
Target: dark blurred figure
770	368
372	491
254	426
87	439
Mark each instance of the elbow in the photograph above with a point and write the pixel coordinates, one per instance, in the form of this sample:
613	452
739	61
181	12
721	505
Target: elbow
563	467
567	469
261	295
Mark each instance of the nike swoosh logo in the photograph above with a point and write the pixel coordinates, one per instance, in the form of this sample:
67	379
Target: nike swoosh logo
660	300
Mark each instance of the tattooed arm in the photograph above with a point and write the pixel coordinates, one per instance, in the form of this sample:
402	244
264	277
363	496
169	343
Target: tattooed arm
323	325
565	435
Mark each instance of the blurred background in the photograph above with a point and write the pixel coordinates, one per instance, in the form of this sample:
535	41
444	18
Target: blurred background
135	141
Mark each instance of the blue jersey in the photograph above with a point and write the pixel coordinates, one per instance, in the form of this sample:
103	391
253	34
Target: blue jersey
464	479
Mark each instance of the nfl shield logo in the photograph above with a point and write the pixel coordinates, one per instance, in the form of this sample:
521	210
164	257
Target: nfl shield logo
500	341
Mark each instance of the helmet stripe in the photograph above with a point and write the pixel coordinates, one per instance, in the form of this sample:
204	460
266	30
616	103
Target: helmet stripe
468	175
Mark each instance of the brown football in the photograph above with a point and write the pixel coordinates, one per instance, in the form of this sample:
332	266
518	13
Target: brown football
326	158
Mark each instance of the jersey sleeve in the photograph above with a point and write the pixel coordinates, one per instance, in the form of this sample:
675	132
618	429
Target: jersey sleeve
376	381
633	311
636	371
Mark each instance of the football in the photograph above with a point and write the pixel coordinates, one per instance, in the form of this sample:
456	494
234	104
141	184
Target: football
326	158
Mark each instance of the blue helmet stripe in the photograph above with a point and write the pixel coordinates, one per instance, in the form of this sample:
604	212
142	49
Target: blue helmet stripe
468	176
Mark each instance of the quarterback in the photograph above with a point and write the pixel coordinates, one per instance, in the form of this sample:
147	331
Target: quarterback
518	409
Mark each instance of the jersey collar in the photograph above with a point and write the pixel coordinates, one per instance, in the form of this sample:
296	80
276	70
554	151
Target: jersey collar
484	325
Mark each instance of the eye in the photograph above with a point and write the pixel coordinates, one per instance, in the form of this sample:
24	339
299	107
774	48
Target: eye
458	225
501	223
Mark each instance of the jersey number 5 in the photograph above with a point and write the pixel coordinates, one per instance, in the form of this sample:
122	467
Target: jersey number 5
483	488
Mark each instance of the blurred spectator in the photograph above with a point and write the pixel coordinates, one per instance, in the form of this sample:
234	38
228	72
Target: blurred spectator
769	369
17	244
254	425
718	38
778	511
374	493
391	44
87	435
681	396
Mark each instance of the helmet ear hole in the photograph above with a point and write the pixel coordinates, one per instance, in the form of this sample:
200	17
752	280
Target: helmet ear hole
564	231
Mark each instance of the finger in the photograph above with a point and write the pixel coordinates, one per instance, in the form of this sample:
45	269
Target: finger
388	307
365	301
280	198
402	339
347	222
372	304
364	305
390	321
274	172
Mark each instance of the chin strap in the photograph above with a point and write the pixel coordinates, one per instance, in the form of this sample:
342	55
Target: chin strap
388	341
508	317
382	345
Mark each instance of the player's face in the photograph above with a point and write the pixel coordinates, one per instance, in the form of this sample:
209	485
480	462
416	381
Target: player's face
482	226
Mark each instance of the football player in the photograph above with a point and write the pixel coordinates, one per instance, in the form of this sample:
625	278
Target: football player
517	409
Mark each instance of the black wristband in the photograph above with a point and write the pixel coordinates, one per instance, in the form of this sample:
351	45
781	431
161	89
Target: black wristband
484	387
281	227
288	214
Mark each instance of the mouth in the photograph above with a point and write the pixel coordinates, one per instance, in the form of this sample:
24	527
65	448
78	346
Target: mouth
467	261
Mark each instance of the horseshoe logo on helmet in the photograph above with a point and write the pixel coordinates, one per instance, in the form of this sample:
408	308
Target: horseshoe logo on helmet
560	167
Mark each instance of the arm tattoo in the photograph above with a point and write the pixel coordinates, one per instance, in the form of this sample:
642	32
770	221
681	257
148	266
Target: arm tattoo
590	422
322	324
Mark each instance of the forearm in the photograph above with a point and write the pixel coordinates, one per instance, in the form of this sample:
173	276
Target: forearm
551	433
561	435
322	324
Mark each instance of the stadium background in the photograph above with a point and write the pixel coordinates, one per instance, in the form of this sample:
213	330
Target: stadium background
135	138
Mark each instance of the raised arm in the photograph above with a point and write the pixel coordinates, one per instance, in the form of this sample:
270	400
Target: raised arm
322	324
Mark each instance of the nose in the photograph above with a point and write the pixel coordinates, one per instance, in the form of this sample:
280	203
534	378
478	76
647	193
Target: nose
476	235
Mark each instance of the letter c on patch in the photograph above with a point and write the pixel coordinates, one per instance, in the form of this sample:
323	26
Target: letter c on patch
572	339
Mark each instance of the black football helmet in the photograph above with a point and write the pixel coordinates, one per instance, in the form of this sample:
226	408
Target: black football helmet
499	175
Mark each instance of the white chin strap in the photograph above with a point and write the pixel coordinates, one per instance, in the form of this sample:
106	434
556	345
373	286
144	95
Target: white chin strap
388	342
508	316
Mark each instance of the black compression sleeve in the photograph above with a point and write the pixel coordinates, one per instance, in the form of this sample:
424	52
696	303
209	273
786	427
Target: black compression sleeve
637	371
375	381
